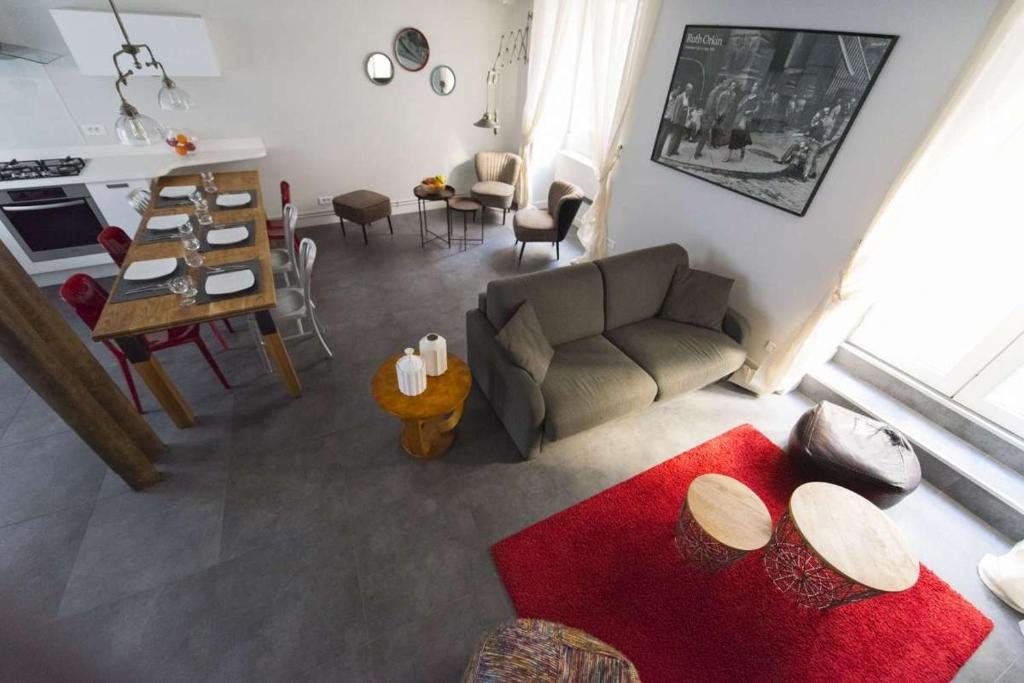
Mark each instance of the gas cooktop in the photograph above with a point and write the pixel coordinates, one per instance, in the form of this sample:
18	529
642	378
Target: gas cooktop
40	168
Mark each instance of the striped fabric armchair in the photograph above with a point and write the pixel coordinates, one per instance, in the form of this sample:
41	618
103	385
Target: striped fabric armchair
497	173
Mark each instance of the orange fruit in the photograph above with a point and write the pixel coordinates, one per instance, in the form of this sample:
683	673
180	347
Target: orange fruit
182	138
181	150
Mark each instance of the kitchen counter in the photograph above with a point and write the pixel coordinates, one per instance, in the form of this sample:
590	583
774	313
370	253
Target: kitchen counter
108	163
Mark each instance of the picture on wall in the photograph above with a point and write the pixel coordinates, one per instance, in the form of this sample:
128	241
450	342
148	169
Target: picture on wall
763	111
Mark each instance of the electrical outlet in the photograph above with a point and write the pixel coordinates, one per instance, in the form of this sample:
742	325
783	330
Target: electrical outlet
94	129
770	346
324	201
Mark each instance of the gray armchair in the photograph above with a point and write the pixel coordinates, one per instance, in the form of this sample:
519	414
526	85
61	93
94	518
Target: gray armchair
497	173
551	225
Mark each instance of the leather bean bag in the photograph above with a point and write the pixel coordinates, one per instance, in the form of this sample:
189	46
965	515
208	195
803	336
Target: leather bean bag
831	443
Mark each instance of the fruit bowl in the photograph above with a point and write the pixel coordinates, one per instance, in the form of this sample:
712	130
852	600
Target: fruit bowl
181	142
433	184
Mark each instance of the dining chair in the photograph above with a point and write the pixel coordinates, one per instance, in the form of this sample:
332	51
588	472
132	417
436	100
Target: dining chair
296	303
117	243
275	226
139	199
282	260
87	298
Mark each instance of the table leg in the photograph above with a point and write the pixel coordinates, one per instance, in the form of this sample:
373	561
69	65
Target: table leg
431	437
278	353
152	373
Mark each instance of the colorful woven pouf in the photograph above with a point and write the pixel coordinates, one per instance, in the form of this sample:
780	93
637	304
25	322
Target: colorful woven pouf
536	651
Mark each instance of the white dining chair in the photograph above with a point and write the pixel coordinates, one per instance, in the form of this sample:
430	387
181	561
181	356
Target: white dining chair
283	261
296	303
139	200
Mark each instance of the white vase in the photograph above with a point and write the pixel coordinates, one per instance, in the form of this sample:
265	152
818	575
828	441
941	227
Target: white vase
412	374
434	352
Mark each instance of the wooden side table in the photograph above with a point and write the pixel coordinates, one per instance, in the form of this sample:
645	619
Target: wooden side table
833	547
429	419
721	521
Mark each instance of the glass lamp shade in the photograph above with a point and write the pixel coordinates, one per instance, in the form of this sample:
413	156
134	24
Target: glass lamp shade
133	128
172	97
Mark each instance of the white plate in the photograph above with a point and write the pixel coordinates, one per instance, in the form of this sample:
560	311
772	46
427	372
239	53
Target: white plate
177	191
150	270
228	235
235	199
229	283
167	222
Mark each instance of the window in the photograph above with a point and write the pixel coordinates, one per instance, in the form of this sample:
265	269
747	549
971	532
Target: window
955	319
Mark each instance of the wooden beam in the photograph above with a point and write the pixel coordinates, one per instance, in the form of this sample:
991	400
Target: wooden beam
40	345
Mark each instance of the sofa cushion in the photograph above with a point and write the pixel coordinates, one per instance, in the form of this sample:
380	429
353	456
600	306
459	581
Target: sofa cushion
493	188
636	282
679	357
569	302
590	382
698	298
524	341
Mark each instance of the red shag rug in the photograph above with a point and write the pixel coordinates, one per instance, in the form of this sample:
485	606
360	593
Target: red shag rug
609	566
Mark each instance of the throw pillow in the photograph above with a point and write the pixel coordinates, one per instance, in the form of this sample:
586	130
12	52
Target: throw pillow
524	340
697	297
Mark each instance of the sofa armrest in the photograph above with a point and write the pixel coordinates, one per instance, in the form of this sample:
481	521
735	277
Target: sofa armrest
735	326
516	398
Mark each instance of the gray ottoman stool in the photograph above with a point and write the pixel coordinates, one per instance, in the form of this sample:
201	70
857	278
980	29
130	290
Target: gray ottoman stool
363	207
831	443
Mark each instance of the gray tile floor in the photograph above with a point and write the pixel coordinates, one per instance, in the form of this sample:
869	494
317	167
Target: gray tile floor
293	539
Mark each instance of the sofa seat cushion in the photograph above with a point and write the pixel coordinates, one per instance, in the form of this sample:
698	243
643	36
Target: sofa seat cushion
493	188
679	357
590	382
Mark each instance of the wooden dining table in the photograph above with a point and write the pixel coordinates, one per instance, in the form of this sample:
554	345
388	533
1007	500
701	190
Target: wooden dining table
126	323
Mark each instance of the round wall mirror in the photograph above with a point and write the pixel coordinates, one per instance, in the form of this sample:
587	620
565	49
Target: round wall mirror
411	49
379	68
442	79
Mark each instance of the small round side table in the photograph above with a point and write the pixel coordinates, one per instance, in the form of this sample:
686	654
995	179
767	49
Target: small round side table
833	547
466	206
721	521
428	419
423	197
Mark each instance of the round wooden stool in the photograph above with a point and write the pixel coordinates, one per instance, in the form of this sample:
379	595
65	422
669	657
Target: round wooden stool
721	521
833	547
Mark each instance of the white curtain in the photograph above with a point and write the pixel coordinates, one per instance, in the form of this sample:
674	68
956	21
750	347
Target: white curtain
987	108
615	69
552	23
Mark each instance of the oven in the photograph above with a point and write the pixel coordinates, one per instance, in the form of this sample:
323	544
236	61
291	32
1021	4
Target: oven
52	223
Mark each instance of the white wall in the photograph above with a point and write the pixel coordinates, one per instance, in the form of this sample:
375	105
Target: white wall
784	264
293	75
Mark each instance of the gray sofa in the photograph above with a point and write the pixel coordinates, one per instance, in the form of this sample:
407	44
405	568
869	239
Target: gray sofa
613	353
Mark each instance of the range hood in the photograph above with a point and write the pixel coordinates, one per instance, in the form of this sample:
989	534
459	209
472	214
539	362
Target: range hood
11	51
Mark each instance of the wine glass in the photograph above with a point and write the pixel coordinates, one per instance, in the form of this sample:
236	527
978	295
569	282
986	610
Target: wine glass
186	229
192	256
209	185
185	287
197	197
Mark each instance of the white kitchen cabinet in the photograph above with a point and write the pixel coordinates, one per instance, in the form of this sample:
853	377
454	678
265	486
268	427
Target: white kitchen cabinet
112	200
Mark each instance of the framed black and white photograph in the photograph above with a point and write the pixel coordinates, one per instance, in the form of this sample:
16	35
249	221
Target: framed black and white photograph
764	111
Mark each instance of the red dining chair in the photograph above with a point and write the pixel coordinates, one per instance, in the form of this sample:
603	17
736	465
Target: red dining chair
87	297
275	226
117	242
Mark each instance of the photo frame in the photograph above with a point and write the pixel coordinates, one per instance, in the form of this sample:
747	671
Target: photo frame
764	111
